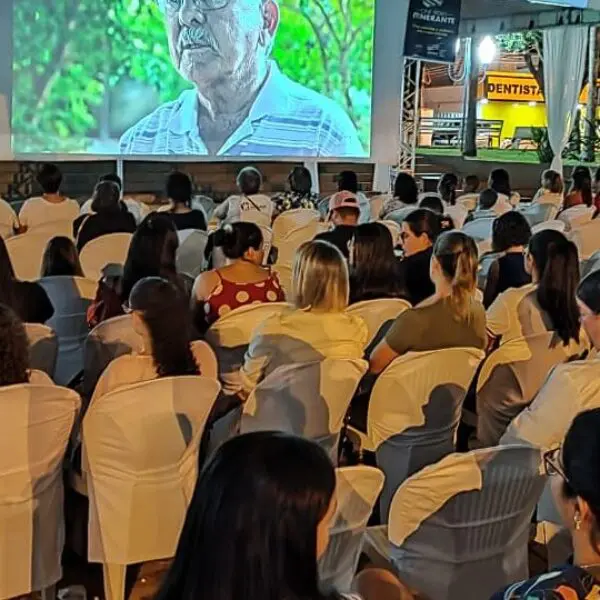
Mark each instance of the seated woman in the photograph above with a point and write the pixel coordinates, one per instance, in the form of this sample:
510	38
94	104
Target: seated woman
61	259
406	196
510	236
162	319
373	264
300	194
581	189
316	326
576	492
243	281
451	318
552	189
447	187
548	303
109	215
27	298
180	211
499	181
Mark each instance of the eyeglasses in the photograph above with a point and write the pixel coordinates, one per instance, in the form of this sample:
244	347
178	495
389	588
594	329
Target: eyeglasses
553	463
206	5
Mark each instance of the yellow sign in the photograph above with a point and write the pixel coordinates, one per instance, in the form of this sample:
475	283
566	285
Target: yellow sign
512	88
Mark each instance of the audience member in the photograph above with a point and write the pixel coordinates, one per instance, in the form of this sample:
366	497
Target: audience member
471	184
580	192
250	205
499	181
243	281
300	193
180	211
61	259
470	193
447	187
373	264
510	236
51	206
86	207
161	317
406	196
548	303
343	214
552	189
488	206
433	202
27	298
316	326
420	229
109	215
348	182
576	492
597	189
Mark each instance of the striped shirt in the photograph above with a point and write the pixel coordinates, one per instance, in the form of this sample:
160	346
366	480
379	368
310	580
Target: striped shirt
287	119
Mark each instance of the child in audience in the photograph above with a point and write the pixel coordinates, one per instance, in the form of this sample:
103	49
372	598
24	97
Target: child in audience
552	189
447	187
61	259
406	196
581	188
180	211
499	181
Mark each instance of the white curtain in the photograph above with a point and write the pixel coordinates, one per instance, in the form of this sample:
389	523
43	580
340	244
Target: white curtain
564	63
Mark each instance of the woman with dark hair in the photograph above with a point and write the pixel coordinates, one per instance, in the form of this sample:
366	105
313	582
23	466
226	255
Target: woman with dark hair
61	259
180	211
161	317
406	195
243	281
548	303
581	188
300	193
499	181
109	215
510	236
373	264
27	298
447	187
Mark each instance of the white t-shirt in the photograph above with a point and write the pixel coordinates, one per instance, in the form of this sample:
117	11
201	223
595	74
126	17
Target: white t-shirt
38	211
246	208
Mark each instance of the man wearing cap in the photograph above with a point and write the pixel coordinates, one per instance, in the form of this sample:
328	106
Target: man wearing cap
344	213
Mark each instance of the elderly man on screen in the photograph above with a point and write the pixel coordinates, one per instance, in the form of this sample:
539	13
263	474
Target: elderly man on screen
241	103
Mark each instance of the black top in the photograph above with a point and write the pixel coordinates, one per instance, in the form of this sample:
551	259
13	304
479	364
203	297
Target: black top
92	226
340	236
505	272
32	304
194	219
414	276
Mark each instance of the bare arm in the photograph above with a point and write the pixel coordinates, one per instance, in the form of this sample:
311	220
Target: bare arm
381	357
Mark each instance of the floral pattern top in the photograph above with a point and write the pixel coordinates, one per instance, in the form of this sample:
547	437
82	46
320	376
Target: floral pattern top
293	200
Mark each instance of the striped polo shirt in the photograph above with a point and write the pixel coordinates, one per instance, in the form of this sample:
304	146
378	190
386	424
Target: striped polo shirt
287	119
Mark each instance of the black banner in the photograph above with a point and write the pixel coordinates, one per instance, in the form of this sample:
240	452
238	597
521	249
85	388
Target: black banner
432	30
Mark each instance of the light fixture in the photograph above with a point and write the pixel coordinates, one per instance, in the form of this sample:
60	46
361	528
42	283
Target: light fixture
532	103
487	50
484	101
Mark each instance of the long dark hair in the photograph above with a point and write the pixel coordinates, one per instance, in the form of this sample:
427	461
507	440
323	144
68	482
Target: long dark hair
166	314
237	238
7	278
500	182
373	269
582	182
152	253
251	528
61	259
14	348
557	264
447	188
405	189
589	291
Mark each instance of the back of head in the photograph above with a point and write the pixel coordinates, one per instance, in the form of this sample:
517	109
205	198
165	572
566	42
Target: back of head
179	188
487	199
557	263
552	181
347	182
14	348
500	181
344	208
7	277
264	491
50	178
510	230
424	221
582	182
249	181
432	202
447	187
112	177
300	180
320	278
456	254
406	189
471	184
589	291
61	259
106	198
237	238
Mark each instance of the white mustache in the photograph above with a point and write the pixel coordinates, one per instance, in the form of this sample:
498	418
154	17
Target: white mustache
194	37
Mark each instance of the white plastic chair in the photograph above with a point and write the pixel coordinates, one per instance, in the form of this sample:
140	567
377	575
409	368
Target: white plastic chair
309	400
357	490
468	201
8	219
285	276
414	411
537	213
586	238
230	336
479	229
554	225
26	252
140	460
377	203
377	313
53	229
395	229
576	216
70	297
267	234
43	348
190	254
293	219
37	422
102	251
291	229
459	529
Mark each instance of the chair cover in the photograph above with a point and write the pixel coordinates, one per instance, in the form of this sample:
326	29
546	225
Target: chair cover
395	230
414	412
377	203
291	229
587	238
102	251
537	213
267	234
285	275
466	520
293	219
70	297
479	229
309	400
357	490
205	204
26	252
37	423
52	229
205	355
468	201
399	215
140	458
590	265
8	217
378	313
43	348
555	225
190	254
512	376
576	216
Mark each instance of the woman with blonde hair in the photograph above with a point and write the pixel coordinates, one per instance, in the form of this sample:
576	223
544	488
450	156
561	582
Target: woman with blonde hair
315	326
451	318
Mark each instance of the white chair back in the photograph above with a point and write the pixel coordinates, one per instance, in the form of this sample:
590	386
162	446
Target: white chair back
468	201
284	274
590	265
102	251
26	252
395	230
378	313
414	412
205	204
293	219
537	213
479	229
309	400
140	458
466	520
139	210
554	225
291	229
54	229
267	234
8	218
377	203
586	238
357	490
190	254
577	216
71	297
230	336
38	420
43	348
